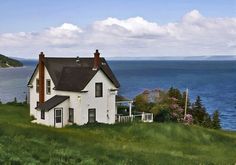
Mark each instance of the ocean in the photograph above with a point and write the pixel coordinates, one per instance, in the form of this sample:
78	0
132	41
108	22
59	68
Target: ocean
214	81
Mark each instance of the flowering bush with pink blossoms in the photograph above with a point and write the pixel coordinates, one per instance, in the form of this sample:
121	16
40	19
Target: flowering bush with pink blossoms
169	106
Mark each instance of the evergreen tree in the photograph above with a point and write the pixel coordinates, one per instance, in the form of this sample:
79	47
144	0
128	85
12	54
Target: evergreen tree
198	103
200	116
199	112
216	120
207	121
15	100
175	93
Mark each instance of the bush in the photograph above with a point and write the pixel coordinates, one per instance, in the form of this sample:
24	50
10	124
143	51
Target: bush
169	106
163	116
188	119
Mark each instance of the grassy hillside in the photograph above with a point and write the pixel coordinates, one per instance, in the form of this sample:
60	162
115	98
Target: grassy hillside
9	62
136	143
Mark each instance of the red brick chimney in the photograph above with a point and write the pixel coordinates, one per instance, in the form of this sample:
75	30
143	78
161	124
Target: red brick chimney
41	78
96	61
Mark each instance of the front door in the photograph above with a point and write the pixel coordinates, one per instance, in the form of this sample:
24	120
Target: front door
58	121
91	115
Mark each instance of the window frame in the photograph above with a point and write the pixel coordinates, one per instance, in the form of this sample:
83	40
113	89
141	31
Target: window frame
48	87
98	92
58	116
37	85
90	111
42	114
71	115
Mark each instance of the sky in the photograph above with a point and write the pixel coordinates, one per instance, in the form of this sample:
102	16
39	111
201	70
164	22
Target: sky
118	28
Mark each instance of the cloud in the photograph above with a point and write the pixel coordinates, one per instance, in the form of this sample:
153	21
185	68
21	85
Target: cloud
193	35
193	16
136	26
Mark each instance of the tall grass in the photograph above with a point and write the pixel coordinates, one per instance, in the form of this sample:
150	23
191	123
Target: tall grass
134	143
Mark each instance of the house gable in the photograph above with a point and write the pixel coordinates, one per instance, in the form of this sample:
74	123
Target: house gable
99	77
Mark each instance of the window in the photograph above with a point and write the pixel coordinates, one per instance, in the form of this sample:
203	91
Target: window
37	85
48	86
71	115
98	90
42	114
91	115
58	115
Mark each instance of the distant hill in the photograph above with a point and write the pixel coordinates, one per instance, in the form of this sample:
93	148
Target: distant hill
6	62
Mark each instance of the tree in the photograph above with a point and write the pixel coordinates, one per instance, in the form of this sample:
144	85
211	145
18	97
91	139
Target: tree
15	100
140	103
198	103
169	106
200	116
216	120
157	108
207	121
175	93
163	116
199	111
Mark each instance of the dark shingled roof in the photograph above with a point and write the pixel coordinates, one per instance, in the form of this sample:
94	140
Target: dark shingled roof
69	75
52	102
77	82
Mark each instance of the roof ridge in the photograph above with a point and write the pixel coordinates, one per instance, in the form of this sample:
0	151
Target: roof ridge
72	58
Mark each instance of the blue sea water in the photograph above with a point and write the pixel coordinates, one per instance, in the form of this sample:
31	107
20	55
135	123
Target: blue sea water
214	81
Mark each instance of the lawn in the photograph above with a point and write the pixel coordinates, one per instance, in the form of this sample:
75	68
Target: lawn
135	143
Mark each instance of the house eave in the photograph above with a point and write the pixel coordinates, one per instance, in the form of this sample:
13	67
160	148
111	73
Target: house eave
30	86
113	89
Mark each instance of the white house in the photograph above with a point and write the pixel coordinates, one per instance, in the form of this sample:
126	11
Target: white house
63	91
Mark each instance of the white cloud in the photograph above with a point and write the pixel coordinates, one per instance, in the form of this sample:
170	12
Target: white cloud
194	34
193	16
65	30
136	26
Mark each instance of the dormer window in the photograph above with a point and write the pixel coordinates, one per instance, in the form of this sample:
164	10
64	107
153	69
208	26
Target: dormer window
48	86
98	90
37	85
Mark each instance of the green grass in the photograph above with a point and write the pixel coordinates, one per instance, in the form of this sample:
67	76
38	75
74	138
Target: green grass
137	143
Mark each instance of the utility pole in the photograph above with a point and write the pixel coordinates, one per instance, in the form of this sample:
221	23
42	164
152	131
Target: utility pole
186	103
